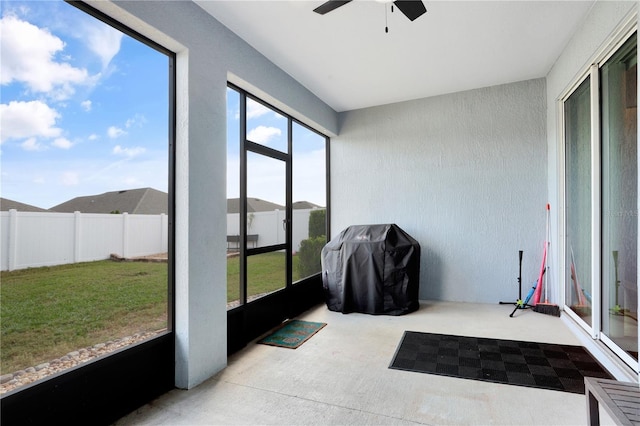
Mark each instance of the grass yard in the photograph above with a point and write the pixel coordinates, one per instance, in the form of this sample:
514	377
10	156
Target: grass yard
50	311
270	267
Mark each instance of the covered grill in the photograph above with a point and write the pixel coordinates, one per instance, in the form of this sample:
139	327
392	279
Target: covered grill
372	269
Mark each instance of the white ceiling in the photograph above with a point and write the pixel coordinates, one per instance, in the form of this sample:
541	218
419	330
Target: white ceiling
347	60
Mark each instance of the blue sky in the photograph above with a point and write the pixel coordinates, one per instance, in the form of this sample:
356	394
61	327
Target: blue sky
84	108
266	176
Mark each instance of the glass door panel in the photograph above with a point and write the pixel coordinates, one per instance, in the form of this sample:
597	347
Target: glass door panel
266	225
619	198
266	273
233	198
266	200
309	201
266	127
578	289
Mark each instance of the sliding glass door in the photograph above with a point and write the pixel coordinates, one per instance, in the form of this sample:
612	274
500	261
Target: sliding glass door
578	222
618	89
601	200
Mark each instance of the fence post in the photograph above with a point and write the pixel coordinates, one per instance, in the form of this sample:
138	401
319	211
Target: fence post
76	241
278	225
13	239
164	232
125	235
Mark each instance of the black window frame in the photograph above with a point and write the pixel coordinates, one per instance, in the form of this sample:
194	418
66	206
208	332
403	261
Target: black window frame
109	387
251	319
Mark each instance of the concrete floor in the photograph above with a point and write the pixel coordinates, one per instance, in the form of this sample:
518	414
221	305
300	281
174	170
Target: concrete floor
341	377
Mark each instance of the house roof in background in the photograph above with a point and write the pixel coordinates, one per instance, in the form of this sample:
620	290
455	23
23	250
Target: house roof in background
304	205
140	201
253	205
133	201
258	205
6	205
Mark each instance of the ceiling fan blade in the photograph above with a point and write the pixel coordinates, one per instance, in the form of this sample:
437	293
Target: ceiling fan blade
412	9
329	6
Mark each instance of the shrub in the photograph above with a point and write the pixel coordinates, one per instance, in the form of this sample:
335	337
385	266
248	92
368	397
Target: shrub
309	255
317	223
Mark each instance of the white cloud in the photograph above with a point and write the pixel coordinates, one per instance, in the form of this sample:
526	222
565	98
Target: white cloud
137	120
263	134
128	152
69	179
62	143
86	105
32	144
103	40
115	132
93	137
28	119
28	57
256	109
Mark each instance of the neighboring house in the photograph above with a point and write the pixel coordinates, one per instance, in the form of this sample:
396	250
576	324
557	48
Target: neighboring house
253	205
133	201
6	205
305	205
258	205
140	201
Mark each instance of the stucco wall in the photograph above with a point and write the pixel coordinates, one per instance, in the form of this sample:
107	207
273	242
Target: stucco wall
464	174
208	55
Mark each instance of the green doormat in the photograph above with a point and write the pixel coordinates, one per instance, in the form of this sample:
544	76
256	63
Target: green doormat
292	334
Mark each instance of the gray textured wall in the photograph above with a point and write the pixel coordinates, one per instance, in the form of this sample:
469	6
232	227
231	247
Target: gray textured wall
464	174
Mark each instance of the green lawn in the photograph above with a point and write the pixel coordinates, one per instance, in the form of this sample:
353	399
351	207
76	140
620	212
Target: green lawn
50	311
269	267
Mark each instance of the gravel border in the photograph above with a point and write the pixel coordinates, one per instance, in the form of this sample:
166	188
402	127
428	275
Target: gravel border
11	381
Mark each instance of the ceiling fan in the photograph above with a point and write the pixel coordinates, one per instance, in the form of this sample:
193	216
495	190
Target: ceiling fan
412	9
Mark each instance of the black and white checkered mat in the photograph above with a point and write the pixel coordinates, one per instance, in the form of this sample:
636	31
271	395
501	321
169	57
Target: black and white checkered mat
540	365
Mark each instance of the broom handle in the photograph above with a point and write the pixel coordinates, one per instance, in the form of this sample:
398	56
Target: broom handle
546	266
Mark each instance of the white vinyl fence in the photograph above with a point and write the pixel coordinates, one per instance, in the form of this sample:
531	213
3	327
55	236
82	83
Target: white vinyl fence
29	239
269	227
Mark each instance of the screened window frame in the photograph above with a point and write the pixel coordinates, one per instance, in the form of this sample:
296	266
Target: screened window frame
171	139
261	149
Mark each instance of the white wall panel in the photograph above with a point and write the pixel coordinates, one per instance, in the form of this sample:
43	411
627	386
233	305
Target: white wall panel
101	235
145	234
44	239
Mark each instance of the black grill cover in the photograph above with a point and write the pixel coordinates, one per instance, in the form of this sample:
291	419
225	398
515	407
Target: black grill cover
372	269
